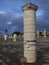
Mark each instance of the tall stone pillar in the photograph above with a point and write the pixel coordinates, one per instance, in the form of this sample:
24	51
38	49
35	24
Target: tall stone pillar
44	33
29	33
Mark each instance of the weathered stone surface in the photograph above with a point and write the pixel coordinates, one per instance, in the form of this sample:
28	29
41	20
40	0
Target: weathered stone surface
30	32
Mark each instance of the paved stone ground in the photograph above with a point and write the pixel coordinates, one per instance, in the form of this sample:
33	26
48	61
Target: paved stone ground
12	53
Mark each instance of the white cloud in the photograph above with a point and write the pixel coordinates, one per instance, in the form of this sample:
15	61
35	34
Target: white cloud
9	22
40	13
2	12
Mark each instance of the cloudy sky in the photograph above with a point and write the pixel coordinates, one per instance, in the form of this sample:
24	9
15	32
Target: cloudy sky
11	15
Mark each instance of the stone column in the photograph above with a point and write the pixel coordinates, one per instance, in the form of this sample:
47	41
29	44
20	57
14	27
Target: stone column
5	37
44	33
37	33
29	33
14	37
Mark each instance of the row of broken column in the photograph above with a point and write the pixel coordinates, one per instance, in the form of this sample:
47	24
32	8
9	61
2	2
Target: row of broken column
15	35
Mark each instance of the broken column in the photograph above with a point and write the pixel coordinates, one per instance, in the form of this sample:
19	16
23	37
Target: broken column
5	37
44	33
14	37
37	33
29	33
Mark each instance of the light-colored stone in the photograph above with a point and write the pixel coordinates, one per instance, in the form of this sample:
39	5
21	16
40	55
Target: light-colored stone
30	36
5	37
30	32
14	37
44	33
37	33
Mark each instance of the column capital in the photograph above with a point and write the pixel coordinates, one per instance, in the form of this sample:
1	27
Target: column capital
29	6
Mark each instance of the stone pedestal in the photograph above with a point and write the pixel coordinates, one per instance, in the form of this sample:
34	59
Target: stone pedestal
29	33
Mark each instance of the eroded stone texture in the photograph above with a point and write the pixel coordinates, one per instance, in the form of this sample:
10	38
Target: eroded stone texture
29	32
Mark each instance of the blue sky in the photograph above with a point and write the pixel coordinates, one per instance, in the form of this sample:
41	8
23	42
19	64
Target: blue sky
11	15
